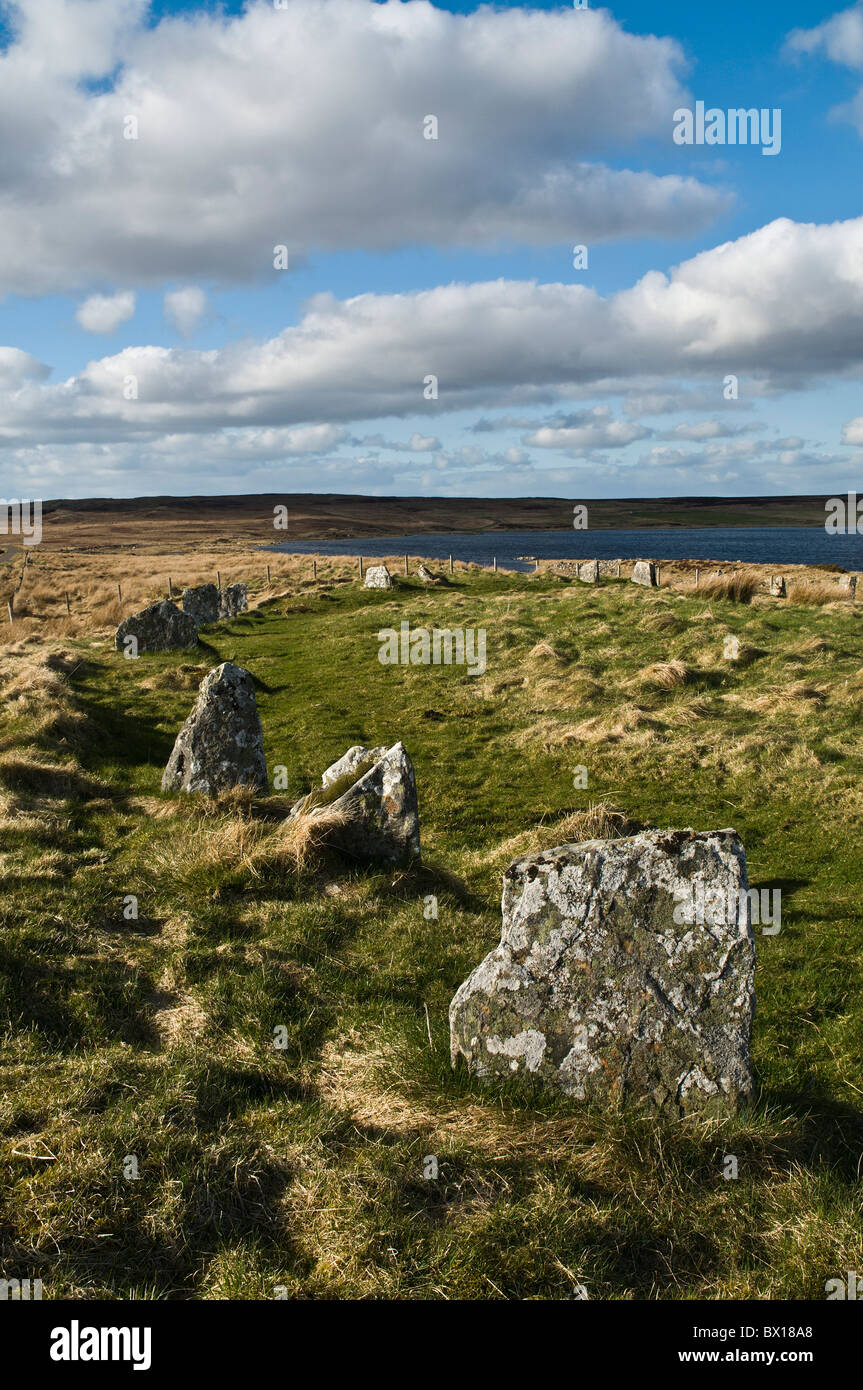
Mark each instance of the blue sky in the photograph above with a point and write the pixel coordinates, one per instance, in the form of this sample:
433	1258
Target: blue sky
147	344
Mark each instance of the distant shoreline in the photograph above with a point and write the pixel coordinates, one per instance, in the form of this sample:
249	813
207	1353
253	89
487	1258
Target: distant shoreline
196	521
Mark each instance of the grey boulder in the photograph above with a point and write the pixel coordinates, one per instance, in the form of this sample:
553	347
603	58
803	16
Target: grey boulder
233	600
202	603
378	577
159	628
376	819
644	572
624	975
588	571
221	744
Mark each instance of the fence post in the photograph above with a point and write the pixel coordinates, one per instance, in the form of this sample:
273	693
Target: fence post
119	594
68	609
406	565
268	574
494	563
314	569
170	588
696	576
219	580
450	564
9	606
361	567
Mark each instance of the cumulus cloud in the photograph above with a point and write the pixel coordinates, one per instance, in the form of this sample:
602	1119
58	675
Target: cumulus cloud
839	38
852	432
783	303
191	147
103	313
184	308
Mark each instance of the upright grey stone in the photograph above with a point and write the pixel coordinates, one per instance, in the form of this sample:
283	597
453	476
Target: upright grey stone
221	744
378	577
644	572
202	604
849	583
233	600
159	628
625	973
379	813
588	571
777	586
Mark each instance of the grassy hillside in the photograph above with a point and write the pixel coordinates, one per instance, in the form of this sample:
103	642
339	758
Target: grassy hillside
303	1169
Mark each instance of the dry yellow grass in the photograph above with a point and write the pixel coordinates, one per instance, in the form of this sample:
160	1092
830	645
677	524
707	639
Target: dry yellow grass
663	675
815	595
738	587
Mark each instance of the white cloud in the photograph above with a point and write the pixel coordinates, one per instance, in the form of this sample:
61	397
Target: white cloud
184	308
304	127
103	313
852	432
839	38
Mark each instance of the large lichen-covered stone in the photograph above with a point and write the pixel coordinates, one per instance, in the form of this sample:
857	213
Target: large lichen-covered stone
159	628
233	600
644	572
611	982
378	813
202	603
588	571
378	577
221	743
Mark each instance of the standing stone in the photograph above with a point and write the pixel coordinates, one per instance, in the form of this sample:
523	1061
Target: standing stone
380	817
221	744
644	572
350	762
625	973
609	566
849	583
425	576
159	628
777	586
202	604
378	577
233	600
588	571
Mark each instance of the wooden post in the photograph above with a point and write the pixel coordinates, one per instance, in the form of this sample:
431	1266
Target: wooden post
314	569
536	566
658	576
696	576
450	564
170	588
119	593
618	569
361	567
9	606
268	574
494	563
219	580
406	565
68	609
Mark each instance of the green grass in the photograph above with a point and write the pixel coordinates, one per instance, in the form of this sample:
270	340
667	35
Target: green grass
303	1167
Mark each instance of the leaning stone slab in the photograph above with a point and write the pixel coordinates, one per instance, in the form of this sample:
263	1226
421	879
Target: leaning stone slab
350	762
221	744
159	628
233	600
644	572
425	575
202	604
378	577
588	571
624	974
379	813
